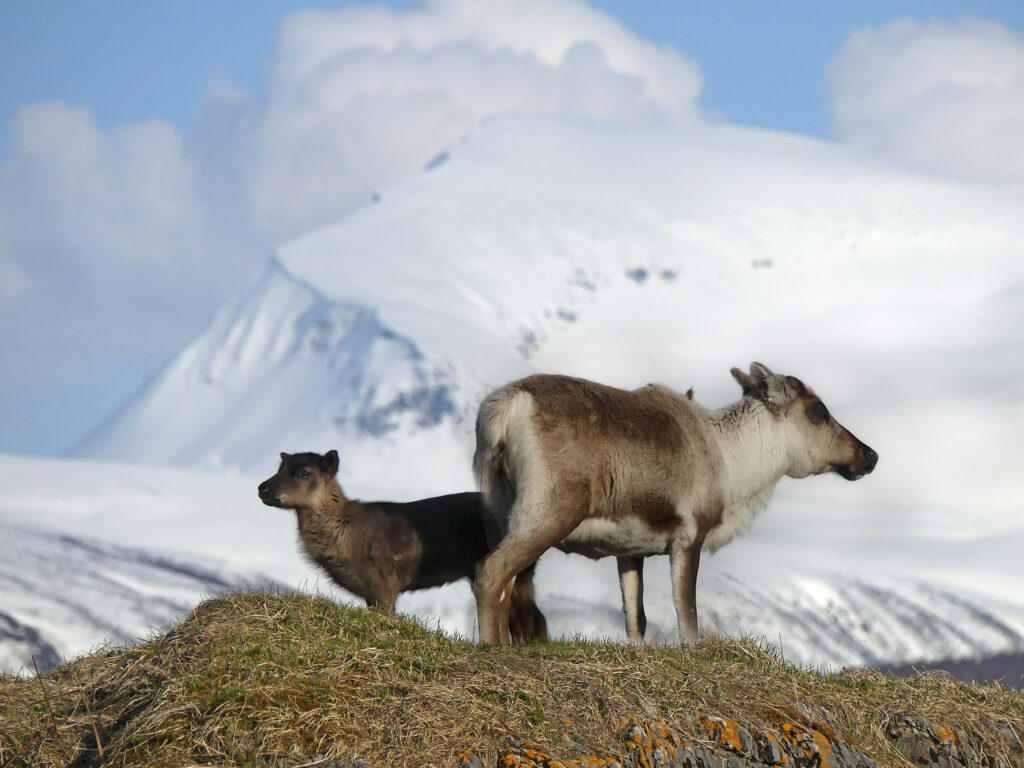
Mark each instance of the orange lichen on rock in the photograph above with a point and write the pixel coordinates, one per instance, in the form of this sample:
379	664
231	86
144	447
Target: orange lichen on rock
525	756
772	749
811	743
724	732
719	742
592	761
652	743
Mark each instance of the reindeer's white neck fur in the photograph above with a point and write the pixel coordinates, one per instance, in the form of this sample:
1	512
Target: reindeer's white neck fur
754	459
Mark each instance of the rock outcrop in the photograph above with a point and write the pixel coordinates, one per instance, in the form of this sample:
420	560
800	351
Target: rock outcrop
724	743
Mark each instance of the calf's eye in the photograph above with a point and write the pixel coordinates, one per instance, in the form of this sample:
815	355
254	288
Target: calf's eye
302	474
817	413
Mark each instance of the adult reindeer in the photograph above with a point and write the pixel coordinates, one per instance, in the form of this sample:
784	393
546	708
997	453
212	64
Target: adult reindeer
608	472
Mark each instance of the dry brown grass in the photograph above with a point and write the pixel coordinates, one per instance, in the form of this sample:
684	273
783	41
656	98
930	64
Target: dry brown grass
250	676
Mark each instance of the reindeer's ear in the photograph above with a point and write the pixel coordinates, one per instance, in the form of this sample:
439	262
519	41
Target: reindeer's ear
331	463
759	371
751	387
285	456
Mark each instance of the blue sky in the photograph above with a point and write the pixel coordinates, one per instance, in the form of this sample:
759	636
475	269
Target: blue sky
132	61
98	289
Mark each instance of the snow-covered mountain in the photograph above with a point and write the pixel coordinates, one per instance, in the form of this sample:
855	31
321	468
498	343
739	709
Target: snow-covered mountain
632	254
282	369
626	255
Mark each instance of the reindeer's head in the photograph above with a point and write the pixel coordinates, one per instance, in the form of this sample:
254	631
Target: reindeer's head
816	442
300	481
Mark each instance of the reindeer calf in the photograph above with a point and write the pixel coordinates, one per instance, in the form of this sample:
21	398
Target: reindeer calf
378	549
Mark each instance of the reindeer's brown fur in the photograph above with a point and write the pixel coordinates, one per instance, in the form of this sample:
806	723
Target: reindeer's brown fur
378	549
620	454
602	471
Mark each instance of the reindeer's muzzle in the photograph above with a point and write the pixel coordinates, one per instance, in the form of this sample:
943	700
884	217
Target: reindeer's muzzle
268	495
866	460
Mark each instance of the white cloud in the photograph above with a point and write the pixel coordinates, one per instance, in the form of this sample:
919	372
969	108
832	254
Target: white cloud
358	97
940	95
118	244
72	192
107	242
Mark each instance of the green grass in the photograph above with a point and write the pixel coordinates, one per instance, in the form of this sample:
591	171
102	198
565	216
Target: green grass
253	676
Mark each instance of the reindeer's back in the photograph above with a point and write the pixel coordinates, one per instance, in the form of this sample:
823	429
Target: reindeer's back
450	529
620	450
590	411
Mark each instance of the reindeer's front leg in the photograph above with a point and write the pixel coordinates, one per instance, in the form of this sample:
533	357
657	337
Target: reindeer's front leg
684	558
631	582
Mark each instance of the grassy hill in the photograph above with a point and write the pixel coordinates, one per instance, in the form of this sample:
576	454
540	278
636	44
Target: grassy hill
272	680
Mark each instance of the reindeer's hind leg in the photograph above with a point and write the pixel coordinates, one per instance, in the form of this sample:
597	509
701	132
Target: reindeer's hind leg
494	574
505	611
533	529
524	619
631	582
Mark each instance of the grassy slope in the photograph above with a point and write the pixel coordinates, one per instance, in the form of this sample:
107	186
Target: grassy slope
254	675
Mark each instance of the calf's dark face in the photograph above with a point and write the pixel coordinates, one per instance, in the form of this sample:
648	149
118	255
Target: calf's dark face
299	480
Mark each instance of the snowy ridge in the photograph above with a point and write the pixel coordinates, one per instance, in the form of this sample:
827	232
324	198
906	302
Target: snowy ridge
109	553
835	620
114	594
827	621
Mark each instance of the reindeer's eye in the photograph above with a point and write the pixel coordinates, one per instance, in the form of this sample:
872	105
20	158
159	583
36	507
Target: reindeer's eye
303	474
817	413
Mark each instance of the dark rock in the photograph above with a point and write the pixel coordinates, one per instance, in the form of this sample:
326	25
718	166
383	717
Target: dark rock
725	743
468	760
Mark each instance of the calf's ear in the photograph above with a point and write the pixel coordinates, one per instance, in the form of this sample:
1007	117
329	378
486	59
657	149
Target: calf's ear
285	456
331	463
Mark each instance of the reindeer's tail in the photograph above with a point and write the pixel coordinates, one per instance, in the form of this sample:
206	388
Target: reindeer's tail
498	424
492	460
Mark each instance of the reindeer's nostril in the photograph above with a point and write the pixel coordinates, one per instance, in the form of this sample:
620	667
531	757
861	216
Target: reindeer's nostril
872	456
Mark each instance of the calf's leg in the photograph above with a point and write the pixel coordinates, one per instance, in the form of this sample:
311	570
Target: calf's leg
526	622
383	599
